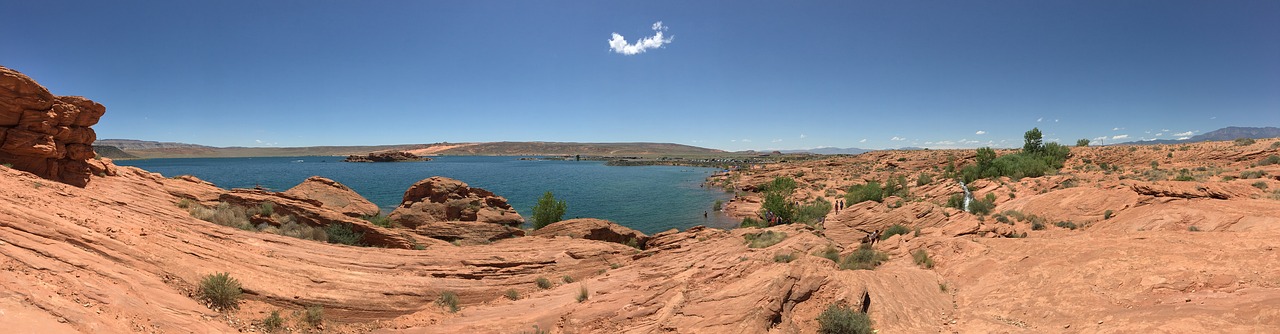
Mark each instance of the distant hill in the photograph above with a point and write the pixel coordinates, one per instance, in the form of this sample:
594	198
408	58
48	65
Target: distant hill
151	149
112	152
830	150
1227	133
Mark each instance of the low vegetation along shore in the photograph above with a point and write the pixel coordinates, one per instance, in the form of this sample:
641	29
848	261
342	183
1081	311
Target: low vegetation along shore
1164	238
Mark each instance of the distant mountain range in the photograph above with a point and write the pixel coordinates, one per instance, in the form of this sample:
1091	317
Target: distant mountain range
1227	133
829	150
129	148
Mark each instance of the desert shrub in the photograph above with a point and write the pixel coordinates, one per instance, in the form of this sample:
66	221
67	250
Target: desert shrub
272	322
829	253
301	231
752	222
864	258
781	184
1252	174
784	257
1270	160
449	301
378	219
267	208
956	201
1260	185
583	294
1193	228
1002	219
544	283
314	315
814	211
1082	142
1107	214
221	291
512	294
921	257
1184	175
1036	159
548	210
1244	141
1015	214
342	233
717	206
893	230
840	319
186	203
924	179
982	207
859	193
1275	145
537	330
764	239
566	279
1066	224
7	165
223	214
895	186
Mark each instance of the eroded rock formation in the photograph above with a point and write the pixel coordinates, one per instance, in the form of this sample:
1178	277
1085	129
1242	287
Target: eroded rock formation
334	196
594	229
45	134
439	199
385	157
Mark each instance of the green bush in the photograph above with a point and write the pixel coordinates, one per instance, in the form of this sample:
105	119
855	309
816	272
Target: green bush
566	279
512	294
864	258
1193	228
342	233
1260	185
1036	159
1107	215
449	301
777	203
924	179
378	219
752	222
829	253
956	201
314	315
1270	160
1082	142
1252	174
272	322
266	208
1066	224
717	206
784	257
893	230
840	319
781	184
982	207
583	294
1244	141
548	210
864	192
921	257
221	291
544	283
813	212
764	239
1002	219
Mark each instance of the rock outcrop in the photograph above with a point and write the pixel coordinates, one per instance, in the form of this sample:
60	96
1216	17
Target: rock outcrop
594	229
438	199
44	134
334	196
385	157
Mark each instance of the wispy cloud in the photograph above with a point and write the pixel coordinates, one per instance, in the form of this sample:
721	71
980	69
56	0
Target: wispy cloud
619	44
1183	138
980	132
775	140
1119	137
1116	129
746	140
1100	138
896	138
1184	134
802	136
863	140
1041	119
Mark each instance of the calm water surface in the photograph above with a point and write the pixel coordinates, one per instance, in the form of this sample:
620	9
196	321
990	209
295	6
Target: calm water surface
647	198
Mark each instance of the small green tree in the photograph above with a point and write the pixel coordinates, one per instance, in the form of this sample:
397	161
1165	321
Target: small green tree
1034	142
1082	142
547	211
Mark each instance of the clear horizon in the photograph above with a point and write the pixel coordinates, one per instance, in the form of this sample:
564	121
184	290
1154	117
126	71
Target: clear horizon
753	75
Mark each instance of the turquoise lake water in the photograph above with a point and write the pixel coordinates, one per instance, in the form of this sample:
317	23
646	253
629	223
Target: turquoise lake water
646	198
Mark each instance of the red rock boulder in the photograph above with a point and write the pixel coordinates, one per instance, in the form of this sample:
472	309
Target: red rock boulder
334	196
594	229
439	199
44	134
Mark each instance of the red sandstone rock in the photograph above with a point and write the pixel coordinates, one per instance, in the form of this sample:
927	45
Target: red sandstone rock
44	134
443	199
334	196
594	229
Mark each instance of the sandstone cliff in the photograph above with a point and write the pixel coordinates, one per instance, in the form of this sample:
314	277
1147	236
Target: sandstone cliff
44	134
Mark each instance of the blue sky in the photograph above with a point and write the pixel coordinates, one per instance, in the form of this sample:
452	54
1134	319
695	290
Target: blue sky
728	75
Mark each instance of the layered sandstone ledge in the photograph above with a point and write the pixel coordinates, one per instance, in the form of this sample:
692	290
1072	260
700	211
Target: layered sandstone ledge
45	134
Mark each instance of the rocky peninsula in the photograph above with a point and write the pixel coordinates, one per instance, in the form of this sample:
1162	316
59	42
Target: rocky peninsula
385	157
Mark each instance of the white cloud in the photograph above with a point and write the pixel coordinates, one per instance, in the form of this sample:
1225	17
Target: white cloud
775	140
802	136
1055	120
980	132
1041	119
1100	138
1214	117
1183	138
863	140
1053	140
1159	134
1184	134
946	142
619	44
1164	130
896	138
746	140
1116	129
1119	137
